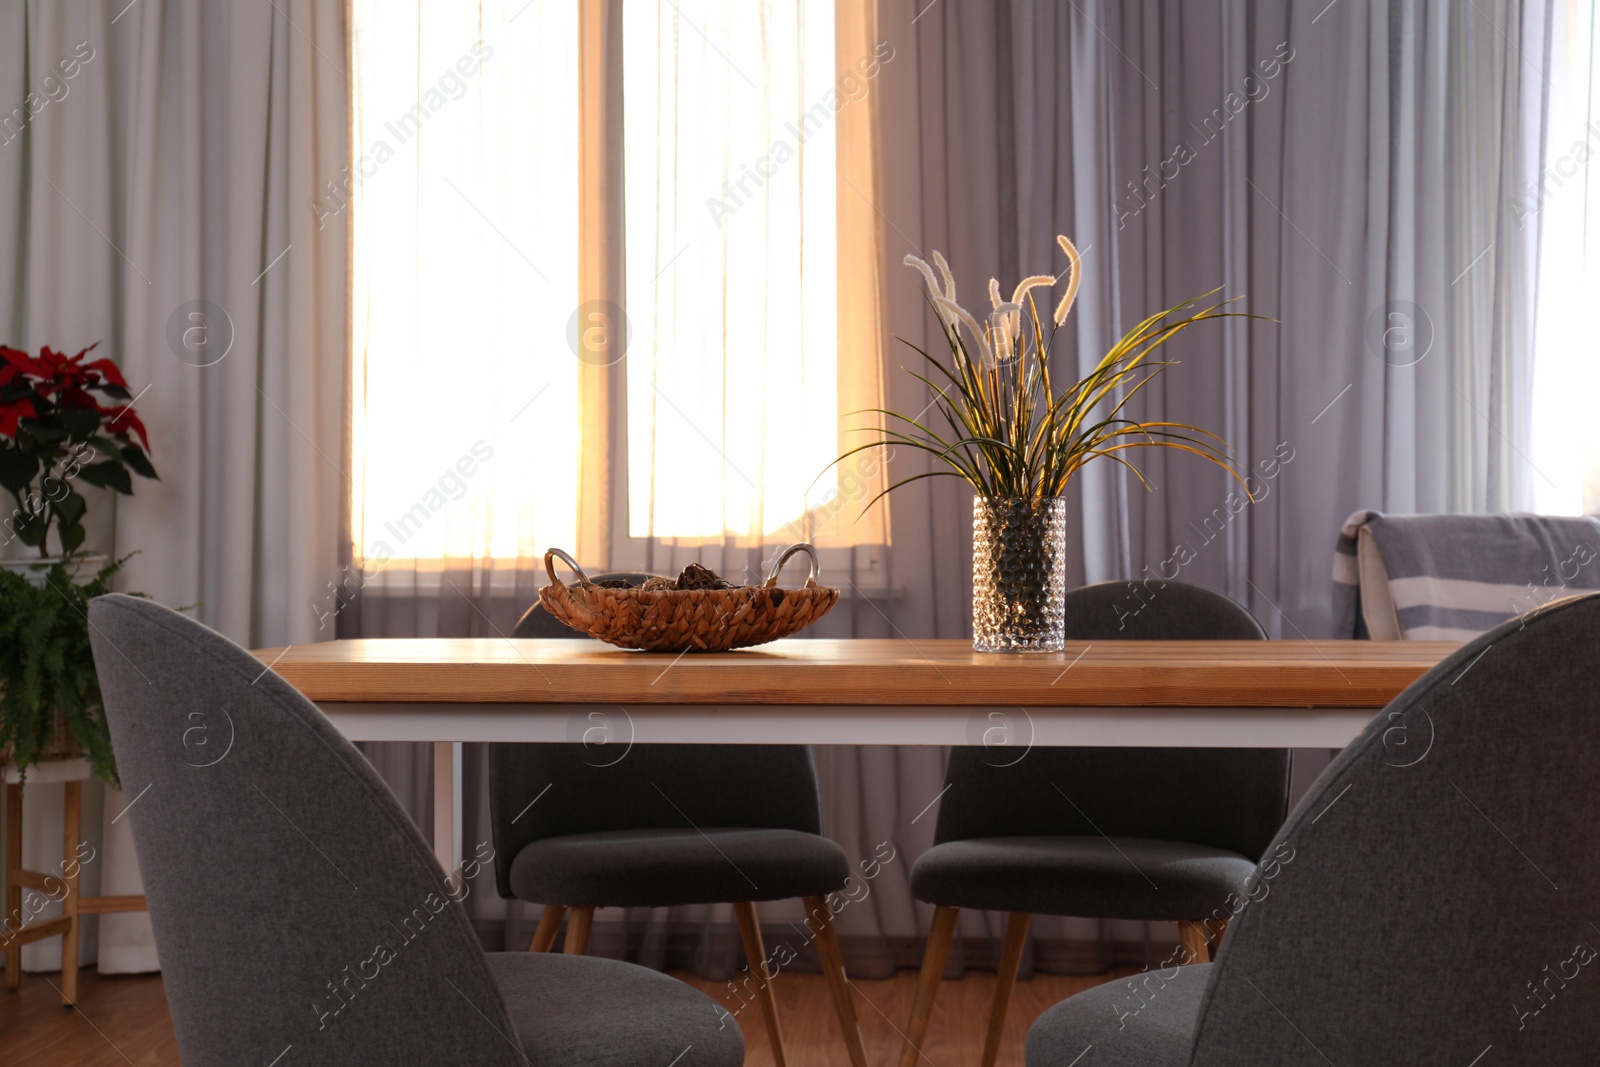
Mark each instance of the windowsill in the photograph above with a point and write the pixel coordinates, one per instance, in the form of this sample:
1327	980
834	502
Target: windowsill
427	578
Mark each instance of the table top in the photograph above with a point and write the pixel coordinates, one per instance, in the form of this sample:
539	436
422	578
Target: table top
1245	674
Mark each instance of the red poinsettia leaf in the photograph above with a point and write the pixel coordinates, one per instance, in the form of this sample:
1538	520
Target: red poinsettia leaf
13	413
122	420
108	370
27	364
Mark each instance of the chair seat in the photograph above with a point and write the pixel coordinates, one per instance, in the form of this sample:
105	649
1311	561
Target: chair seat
662	867
1099	877
1147	1020
605	1013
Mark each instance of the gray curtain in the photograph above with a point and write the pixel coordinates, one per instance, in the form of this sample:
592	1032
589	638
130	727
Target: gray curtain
156	200
1348	167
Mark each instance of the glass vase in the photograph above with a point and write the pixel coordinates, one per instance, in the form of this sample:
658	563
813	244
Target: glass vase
1019	574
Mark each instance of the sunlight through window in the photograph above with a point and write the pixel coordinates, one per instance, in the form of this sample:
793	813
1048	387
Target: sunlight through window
465	426
1566	202
467	420
731	264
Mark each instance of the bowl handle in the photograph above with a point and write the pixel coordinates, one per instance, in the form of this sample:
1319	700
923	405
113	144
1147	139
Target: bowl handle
550	566
783	557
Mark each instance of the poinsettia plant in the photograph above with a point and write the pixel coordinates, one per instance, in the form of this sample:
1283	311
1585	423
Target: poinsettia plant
64	419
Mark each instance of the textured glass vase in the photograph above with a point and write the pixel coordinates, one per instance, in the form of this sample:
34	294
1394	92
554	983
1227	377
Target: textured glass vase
1019	574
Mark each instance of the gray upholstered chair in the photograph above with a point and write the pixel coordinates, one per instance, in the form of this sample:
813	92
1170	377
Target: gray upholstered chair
1110	833
1433	898
660	825
300	916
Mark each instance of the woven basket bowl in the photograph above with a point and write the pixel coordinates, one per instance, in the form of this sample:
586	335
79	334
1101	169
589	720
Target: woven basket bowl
682	620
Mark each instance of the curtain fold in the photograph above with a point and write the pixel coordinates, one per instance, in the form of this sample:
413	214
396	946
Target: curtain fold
160	204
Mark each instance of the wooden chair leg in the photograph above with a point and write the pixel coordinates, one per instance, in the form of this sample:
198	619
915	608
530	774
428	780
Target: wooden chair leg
13	916
1192	936
1005	980
933	957
755	955
544	935
838	984
72	823
579	921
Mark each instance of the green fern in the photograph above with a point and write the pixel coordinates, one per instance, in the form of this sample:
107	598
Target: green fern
47	668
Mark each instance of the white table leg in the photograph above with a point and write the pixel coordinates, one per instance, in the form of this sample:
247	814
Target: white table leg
447	804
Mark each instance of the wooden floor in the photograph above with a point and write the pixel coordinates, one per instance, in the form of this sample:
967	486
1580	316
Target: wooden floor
955	1033
122	1021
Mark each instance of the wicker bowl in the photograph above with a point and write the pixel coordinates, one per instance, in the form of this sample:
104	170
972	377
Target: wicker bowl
682	620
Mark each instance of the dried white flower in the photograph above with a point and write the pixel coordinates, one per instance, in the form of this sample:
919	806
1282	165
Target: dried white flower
1074	277
950	307
1032	282
1006	327
944	272
1003	339
927	272
933	285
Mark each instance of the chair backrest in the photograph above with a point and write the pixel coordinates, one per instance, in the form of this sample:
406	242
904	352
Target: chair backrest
1225	798
1437	891
295	905
605	782
1452	577
1154	610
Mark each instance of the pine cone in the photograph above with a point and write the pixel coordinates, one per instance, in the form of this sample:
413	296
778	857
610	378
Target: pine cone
695	576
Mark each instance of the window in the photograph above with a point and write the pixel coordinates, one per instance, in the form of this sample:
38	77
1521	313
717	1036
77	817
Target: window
464	275
1566	205
731	256
471	422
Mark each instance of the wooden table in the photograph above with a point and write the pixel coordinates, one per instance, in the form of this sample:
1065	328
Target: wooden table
1267	694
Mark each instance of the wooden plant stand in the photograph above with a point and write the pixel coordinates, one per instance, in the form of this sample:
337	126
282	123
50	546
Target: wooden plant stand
14	933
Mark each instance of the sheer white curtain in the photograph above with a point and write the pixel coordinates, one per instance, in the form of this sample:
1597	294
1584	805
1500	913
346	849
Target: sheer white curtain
731	265
1563	203
740	295
498	378
464	274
